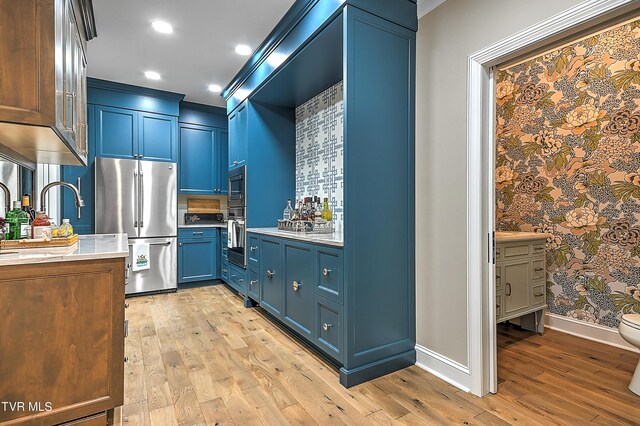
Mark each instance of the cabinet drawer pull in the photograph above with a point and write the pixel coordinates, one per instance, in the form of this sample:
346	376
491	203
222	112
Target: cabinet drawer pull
508	290
198	233
539	294
326	326
296	285
270	274
126	305
539	269
538	248
326	272
241	280
253	282
224	270
126	328
253	248
233	276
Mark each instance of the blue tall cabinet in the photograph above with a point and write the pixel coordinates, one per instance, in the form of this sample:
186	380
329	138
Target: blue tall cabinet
370	46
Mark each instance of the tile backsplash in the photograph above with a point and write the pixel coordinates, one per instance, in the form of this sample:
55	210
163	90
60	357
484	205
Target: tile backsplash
320	149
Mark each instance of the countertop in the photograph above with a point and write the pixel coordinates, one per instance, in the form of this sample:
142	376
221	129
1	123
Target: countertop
336	239
513	236
210	225
89	247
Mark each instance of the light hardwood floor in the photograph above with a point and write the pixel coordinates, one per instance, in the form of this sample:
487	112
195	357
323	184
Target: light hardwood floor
198	357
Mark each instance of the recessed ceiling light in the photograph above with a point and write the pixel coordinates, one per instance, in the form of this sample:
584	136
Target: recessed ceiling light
162	27
152	75
243	49
215	88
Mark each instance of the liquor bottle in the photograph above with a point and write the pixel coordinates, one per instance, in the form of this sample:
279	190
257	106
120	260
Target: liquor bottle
16	219
41	226
26	206
286	215
326	213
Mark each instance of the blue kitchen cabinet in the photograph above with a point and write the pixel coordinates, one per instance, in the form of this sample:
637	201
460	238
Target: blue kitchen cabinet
297	264
158	137
129	134
116	132
237	279
197	254
224	260
239	133
271	276
222	162
82	220
198	161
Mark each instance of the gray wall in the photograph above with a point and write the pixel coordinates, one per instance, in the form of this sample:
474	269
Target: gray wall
446	37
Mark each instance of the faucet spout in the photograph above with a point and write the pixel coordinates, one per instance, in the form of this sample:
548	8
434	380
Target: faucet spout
7	197
45	190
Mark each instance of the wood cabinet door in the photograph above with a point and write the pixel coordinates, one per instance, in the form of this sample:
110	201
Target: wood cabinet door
63	339
516	286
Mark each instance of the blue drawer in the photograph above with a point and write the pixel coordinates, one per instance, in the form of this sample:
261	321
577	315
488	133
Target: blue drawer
238	279
253	250
194	233
329	273
254	285
224	270
328	327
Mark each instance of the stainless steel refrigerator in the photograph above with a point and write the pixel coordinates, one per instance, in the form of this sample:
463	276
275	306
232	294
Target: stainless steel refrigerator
139	198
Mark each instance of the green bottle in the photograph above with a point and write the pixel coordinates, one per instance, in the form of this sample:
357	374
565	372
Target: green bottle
16	218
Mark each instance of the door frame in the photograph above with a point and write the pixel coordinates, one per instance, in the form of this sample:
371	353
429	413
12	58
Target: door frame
482	340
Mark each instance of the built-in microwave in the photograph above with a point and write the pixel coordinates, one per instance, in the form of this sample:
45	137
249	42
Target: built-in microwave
237	187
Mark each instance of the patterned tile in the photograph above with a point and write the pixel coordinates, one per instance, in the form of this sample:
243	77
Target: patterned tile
320	149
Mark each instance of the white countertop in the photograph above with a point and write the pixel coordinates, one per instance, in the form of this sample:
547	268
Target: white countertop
89	247
210	225
506	236
336	239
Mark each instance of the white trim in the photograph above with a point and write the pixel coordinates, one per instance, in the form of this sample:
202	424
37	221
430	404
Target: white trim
482	356
444	368
596	332
426	6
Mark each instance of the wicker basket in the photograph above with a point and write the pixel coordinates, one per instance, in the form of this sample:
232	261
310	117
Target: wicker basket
32	244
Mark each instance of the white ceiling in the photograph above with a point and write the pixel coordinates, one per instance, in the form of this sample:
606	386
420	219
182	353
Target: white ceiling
198	53
426	6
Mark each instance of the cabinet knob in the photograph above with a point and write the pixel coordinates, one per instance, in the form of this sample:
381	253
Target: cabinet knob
326	272
296	285
225	271
326	326
253	248
126	358
126	305
253	282
180	245
270	274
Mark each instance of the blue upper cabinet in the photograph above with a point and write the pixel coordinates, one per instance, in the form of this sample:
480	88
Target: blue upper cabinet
116	132
223	156
82	177
197	169
158	137
239	139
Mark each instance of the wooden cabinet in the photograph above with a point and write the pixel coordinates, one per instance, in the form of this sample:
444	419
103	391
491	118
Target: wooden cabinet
63	339
197	254
520	278
129	134
43	97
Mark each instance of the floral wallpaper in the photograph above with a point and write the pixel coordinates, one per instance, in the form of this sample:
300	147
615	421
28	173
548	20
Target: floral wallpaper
568	163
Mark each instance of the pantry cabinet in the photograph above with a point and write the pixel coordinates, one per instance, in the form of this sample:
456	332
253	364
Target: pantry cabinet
43	115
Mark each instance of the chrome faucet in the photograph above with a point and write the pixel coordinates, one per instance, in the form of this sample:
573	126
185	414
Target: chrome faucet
7	197
43	194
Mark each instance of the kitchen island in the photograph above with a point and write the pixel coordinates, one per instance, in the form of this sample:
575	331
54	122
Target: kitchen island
62	346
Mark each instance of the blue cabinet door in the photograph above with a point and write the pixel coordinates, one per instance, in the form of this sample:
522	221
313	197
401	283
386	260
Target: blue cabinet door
197	260
271	276
298	287
197	171
238	136
83	220
222	161
158	137
116	132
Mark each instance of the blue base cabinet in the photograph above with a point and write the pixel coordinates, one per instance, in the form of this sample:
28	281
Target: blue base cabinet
197	254
287	280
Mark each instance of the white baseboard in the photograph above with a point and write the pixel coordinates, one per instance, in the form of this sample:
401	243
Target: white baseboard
444	368
589	331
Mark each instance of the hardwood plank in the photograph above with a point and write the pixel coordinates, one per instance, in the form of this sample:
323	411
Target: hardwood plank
215	413
165	416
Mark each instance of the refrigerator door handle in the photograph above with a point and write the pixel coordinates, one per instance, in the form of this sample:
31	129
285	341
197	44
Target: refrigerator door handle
135	196
166	243
142	200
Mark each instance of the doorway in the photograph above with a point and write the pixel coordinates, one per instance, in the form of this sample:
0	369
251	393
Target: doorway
573	24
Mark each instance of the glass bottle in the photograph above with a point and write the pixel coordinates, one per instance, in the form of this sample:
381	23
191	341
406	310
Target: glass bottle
286	215
18	222
66	230
326	212
41	226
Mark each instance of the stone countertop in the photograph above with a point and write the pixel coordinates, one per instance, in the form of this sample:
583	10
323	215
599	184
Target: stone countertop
209	225
88	247
512	236
336	239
